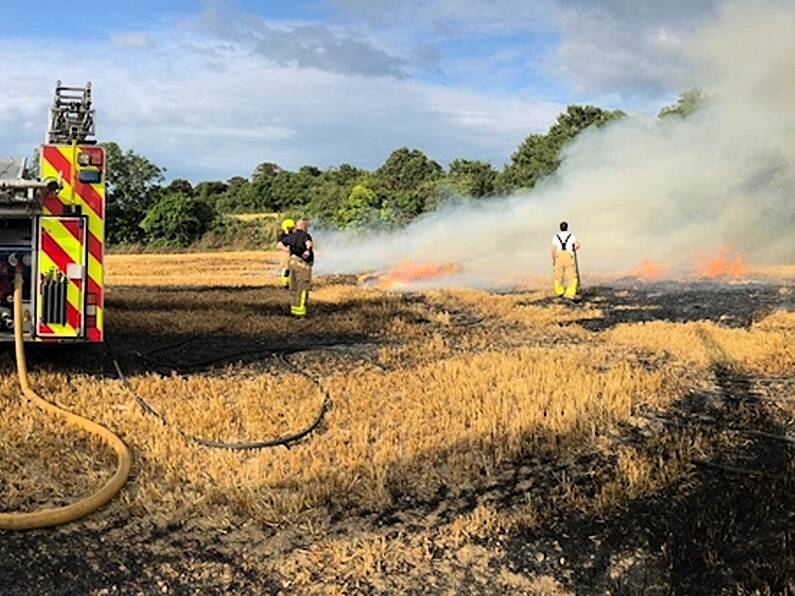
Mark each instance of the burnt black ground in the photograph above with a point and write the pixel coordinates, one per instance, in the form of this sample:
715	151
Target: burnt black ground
726	527
730	305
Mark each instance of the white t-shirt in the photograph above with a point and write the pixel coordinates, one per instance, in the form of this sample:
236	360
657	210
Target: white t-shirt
559	238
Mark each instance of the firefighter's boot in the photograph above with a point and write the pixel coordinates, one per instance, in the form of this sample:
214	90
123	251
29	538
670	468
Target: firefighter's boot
299	310
571	290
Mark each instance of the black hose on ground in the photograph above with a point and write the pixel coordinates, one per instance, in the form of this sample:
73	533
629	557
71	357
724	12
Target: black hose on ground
173	346
192	367
284	441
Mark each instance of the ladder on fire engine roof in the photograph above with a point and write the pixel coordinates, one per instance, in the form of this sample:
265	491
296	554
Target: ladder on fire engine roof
71	116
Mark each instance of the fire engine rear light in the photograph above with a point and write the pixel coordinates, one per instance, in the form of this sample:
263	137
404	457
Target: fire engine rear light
89	176
84	159
91	321
91	310
91	298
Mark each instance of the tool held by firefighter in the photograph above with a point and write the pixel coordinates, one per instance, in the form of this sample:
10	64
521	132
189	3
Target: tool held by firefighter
566	263
288	225
298	245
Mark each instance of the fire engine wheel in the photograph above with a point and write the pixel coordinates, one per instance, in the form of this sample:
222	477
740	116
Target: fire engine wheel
284	441
56	516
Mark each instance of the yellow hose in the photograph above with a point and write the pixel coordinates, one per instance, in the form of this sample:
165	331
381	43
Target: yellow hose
62	515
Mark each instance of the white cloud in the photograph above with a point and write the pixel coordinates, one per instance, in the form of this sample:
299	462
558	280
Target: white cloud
631	48
598	55
207	109
453	18
218	93
137	40
302	44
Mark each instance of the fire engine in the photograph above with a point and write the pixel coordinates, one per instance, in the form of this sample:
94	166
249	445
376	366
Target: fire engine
52	225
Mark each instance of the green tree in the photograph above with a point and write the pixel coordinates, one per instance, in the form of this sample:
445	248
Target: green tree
210	190
310	171
132	188
266	170
292	189
33	165
688	102
239	197
180	185
577	118
535	158
474	178
261	183
358	207
177	220
326	199
539	155
345	174
407	169
404	184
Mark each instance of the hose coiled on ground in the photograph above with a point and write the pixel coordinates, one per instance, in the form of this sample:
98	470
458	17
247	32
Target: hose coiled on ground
283	441
56	516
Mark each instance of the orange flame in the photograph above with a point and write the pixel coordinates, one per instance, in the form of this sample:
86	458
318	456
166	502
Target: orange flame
649	270
409	272
726	264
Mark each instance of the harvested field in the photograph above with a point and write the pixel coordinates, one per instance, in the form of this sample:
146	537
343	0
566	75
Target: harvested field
639	442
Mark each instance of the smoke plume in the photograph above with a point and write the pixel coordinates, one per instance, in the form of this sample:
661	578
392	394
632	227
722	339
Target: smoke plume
669	190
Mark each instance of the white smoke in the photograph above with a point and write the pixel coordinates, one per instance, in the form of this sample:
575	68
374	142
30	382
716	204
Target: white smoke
667	190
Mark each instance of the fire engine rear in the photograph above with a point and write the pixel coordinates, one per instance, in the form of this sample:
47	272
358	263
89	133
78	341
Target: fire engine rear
52	225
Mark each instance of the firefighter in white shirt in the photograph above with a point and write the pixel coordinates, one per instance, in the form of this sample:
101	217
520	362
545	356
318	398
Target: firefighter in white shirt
564	247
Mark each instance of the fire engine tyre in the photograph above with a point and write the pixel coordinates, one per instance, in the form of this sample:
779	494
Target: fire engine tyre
62	515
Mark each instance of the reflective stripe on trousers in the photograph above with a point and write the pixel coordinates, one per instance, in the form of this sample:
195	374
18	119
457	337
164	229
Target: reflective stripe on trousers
565	283
300	281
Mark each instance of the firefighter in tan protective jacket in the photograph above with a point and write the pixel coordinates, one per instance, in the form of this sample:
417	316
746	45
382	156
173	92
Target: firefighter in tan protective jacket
564	247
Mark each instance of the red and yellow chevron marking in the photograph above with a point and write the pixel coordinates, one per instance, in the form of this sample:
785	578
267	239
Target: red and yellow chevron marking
62	246
61	161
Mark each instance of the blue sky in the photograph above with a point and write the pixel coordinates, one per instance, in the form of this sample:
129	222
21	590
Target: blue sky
211	88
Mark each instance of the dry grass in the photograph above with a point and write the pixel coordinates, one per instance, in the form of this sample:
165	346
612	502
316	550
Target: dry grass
440	409
244	268
765	348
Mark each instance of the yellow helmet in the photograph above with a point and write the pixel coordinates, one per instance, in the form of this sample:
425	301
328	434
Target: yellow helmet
288	224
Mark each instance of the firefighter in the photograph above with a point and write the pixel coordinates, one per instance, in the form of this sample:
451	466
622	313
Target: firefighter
287	226
564	248
298	244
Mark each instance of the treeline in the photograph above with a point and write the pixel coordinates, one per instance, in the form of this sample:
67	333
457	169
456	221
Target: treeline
143	211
